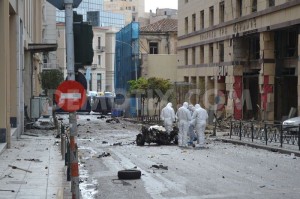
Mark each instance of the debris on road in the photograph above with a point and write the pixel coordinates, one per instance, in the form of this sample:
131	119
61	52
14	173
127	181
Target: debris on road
113	121
159	167
14	167
129	174
117	144
7	190
104	154
33	160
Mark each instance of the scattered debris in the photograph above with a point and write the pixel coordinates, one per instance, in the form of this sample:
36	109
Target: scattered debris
33	160
113	120
117	144
30	134
104	154
129	174
101	117
7	190
14	167
159	167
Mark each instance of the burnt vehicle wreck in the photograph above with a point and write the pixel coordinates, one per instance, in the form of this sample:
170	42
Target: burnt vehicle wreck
157	134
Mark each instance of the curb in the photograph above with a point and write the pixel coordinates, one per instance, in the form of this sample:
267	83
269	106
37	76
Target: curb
268	148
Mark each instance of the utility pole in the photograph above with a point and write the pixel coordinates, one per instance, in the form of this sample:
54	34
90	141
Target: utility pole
68	6
72	115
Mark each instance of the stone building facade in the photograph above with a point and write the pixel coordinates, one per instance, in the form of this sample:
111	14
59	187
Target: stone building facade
22	28
241	56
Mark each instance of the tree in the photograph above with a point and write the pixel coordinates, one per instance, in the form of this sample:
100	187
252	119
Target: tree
139	87
50	79
156	88
161	88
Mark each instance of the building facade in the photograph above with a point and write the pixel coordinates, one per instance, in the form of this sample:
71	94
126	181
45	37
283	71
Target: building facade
241	56
131	9
21	35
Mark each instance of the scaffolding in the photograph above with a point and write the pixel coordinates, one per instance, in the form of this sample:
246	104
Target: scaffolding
127	65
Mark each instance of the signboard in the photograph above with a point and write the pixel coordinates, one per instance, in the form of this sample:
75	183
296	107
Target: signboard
70	96
60	4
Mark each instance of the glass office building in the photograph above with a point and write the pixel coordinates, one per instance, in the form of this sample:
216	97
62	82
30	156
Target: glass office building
93	11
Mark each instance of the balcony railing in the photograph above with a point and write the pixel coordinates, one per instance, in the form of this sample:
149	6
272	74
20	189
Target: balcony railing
50	66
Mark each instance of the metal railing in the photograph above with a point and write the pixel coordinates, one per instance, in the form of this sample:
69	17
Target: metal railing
63	131
266	132
149	119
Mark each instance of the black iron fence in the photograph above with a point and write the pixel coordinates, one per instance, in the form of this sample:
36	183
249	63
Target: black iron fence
149	119
266	132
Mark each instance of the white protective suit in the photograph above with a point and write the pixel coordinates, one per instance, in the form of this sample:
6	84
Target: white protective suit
191	133
168	116
184	118
200	115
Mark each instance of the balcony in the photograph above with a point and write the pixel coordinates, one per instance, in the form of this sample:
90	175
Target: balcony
49	66
100	49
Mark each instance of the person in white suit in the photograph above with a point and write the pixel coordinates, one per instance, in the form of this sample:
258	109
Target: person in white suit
184	118
200	116
168	116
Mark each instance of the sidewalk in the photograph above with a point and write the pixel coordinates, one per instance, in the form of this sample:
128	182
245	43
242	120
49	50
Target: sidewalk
272	146
38	153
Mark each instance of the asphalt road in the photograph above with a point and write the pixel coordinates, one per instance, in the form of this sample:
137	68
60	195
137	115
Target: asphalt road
222	171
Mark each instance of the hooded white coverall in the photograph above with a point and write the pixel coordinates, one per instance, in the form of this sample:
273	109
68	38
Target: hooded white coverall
184	118
168	116
200	115
191	132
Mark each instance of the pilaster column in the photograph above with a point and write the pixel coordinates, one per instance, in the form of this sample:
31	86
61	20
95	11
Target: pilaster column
267	75
4	67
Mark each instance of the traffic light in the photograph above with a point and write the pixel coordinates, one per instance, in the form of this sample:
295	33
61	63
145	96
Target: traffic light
83	43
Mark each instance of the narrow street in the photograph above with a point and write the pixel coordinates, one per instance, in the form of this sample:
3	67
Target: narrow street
222	171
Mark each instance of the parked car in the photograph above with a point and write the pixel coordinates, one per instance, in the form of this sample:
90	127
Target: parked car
292	124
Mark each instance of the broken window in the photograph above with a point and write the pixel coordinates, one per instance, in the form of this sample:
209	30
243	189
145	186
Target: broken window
292	43
254	51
